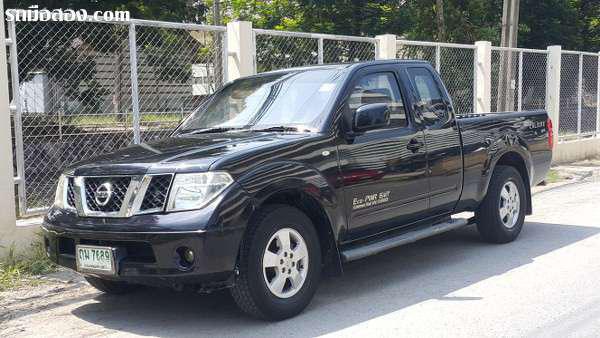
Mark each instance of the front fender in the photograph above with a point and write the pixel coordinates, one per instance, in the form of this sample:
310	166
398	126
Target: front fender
271	179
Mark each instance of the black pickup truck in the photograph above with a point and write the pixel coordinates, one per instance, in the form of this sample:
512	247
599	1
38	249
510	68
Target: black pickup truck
286	174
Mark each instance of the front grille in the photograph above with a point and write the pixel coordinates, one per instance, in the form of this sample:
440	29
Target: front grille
156	194
115	201
108	196
70	192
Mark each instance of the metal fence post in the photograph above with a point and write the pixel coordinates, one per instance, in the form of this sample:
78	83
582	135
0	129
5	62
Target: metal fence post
320	51
438	58
135	98
386	46
224	63
579	93
520	89
553	65
482	77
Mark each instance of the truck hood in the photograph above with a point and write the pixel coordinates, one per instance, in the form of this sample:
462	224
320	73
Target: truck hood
193	153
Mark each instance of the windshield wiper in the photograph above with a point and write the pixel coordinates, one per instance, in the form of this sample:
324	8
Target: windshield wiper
278	129
211	130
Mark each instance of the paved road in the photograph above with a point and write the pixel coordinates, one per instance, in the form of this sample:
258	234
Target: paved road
545	284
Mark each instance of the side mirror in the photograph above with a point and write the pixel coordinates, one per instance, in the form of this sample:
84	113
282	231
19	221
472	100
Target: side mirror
371	116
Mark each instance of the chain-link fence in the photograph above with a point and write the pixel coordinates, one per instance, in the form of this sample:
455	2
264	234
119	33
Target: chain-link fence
280	49
579	111
454	62
177	69
518	79
80	89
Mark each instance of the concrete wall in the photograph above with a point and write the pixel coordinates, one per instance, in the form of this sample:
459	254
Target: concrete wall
577	150
20	237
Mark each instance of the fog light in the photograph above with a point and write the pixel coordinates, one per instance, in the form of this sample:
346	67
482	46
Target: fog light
186	257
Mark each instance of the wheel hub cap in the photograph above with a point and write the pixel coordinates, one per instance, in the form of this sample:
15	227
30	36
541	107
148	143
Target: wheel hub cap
285	263
510	204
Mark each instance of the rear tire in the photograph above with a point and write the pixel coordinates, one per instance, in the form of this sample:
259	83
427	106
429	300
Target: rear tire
501	215
109	286
273	284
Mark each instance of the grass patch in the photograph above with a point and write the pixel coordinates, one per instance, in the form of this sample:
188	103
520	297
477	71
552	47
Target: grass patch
15	269
87	120
553	176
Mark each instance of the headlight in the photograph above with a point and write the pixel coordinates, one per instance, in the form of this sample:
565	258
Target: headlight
61	193
194	191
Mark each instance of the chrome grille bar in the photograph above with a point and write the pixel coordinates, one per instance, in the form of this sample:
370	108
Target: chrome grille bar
132	201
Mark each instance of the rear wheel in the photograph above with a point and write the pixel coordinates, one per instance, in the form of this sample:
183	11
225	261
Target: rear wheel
501	215
279	264
109	286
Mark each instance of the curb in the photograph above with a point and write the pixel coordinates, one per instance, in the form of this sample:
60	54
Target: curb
579	173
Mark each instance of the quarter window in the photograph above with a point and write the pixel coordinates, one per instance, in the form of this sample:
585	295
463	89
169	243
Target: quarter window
431	101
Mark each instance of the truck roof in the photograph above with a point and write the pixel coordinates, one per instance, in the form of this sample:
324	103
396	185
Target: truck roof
349	65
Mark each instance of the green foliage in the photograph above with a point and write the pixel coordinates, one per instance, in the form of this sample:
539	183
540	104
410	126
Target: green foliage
466	21
14	269
574	24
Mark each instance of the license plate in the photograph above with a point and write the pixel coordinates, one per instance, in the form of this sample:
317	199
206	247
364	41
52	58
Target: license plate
96	259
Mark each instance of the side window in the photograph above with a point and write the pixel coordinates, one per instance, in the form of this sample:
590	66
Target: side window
379	88
432	105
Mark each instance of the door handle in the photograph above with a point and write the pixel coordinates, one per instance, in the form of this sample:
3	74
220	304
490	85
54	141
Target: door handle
414	145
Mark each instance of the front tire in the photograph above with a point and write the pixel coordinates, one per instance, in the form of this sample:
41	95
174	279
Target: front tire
279	264
109	286
501	215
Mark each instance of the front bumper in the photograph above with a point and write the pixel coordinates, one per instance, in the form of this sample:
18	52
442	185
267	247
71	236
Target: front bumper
151	258
147	245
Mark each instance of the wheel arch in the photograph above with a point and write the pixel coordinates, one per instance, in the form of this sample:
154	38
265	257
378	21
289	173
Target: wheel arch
516	160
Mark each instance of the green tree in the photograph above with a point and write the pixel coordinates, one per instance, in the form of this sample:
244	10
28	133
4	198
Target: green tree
549	22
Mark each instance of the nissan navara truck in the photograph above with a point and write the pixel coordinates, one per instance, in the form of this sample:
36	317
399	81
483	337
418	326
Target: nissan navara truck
281	176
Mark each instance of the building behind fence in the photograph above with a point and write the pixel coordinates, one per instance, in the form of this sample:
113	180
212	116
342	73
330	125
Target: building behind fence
80	89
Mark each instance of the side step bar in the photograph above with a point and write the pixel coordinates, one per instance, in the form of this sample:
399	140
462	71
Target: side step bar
374	247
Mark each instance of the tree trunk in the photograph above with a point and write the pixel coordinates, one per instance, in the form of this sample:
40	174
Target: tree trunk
507	83
441	29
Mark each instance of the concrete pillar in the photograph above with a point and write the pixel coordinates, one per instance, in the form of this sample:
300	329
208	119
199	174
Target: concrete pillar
483	77
8	229
553	87
241	50
386	46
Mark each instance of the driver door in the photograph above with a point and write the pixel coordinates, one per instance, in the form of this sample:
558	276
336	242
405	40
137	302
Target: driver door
384	170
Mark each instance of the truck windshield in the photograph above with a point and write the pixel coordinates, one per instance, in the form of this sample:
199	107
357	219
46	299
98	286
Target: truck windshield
295	100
